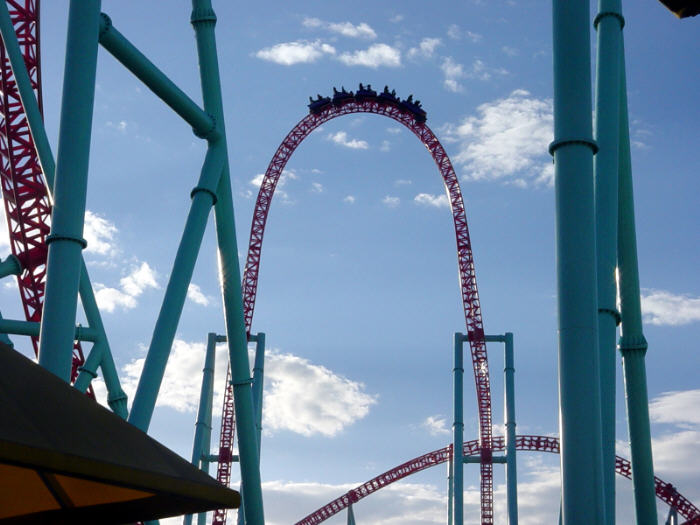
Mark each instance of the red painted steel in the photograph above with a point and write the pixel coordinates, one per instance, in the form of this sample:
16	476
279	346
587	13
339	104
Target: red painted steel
664	491
27	205
470	296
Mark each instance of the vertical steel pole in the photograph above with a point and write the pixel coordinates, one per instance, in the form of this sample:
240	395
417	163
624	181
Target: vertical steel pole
458	431
203	20
579	375
202	428
258	377
511	468
608	23
633	344
450	485
351	516
65	243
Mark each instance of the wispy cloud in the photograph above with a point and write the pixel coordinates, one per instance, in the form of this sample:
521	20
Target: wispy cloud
195	294
99	233
679	407
456	33
361	30
391	202
506	140
374	56
660	307
453	72
132	286
317	187
285	177
436	201
299	52
386	146
426	48
403	182
350	199
341	138
436	425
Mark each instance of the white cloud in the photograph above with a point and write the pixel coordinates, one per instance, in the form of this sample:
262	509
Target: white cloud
285	177
507	140
349	199
660	307
393	130
300	52
99	234
437	201
426	48
374	56
436	425
453	72
194	294
316	187
510	51
341	138
456	33
402	182
131	287
310	399
396	19
391	202
386	146
676	407
361	30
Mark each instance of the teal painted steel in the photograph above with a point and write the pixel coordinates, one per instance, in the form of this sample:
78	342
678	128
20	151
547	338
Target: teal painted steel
10	326
633	345
10	266
113	41
258	378
579	376
176	290
4	338
450	486
458	430
65	243
202	428
351	516
511	465
204	20
608	24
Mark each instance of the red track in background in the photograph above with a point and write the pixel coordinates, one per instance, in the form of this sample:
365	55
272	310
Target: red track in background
664	491
24	192
470	296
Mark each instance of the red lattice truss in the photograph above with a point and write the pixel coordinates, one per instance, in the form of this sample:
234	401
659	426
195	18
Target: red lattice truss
24	192
664	491
465	260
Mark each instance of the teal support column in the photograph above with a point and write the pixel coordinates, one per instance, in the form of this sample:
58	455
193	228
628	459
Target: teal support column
65	243
351	516
450	484
30	328
258	377
458	430
608	23
579	376
203	197
4	338
202	428
511	467
10	266
204	20
633	345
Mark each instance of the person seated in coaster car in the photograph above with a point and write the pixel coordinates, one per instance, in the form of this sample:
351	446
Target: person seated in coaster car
318	105
342	96
365	93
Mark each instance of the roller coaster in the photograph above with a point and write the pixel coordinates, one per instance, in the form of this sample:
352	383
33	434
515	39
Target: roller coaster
29	194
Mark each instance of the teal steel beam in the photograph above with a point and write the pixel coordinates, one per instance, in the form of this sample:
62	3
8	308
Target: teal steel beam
204	20
30	328
203	198
633	345
202	429
125	52
4	338
458	430
258	378
65	243
579	375
351	516
450	486
117	397
10	266
511	464
608	24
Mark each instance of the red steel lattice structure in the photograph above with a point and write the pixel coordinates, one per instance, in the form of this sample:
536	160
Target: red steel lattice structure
24	191
664	491
470	296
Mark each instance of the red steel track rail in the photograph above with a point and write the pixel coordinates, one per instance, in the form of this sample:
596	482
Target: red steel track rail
24	192
664	491
465	260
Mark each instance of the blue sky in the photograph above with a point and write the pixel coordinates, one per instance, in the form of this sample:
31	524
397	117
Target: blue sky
358	288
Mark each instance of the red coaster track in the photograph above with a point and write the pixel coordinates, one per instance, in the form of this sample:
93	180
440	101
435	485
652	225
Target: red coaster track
24	191
664	491
465	261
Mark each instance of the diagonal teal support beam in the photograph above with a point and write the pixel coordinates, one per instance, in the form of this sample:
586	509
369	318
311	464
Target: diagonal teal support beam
103	355
579	374
608	23
204	20
633	344
203	124
65	243
458	431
